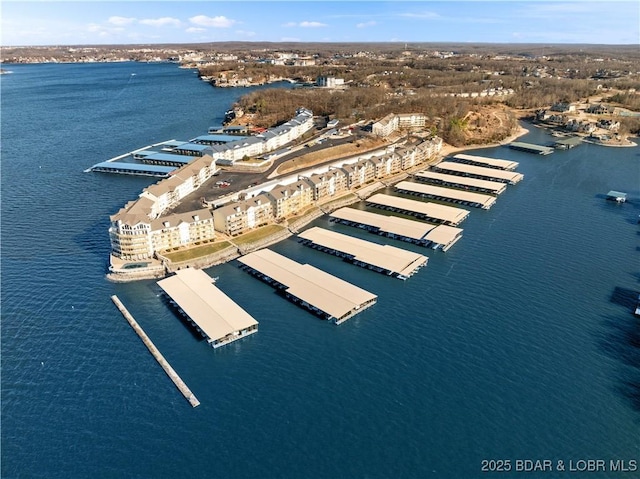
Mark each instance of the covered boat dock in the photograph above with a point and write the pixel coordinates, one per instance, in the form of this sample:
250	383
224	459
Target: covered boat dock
462	182
327	296
216	316
137	169
480	172
385	259
477	200
404	229
531	148
448	215
487	162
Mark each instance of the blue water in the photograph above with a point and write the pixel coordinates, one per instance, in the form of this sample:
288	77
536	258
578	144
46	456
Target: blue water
519	343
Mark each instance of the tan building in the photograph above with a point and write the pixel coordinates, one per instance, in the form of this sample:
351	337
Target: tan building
326	185
242	216
130	231
291	199
183	229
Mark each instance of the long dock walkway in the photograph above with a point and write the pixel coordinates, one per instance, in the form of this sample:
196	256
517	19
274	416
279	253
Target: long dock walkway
182	387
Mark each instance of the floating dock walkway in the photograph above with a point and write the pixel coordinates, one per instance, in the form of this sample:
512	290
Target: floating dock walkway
219	319
182	387
487	162
385	259
476	200
492	174
531	148
448	215
462	182
323	294
417	232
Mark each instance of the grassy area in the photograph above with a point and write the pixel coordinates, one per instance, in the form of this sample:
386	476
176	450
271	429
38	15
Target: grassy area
258	234
328	154
197	252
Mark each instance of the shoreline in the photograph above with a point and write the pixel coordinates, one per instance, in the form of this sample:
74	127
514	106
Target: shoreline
162	269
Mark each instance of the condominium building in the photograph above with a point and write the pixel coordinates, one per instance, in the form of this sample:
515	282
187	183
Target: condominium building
242	216
327	184
183	229
291	199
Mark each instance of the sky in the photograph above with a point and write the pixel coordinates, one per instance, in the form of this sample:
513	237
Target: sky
29	22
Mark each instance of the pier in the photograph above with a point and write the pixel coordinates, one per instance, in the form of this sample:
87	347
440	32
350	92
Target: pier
448	215
321	293
180	384
487	162
384	259
404	229
480	172
462	182
218	318
476	200
531	148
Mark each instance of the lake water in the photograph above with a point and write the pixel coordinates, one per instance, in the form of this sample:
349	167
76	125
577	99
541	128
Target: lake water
518	343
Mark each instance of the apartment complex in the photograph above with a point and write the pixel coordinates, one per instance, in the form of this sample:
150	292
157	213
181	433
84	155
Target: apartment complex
270	140
287	200
136	234
394	122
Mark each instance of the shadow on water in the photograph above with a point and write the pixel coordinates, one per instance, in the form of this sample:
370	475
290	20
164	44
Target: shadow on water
624	297
183	319
621	341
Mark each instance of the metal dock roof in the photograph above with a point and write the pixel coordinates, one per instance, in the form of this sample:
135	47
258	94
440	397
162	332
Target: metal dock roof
430	211
335	298
385	258
218	317
132	168
395	226
447	194
484	161
494	187
167	158
209	139
479	171
531	148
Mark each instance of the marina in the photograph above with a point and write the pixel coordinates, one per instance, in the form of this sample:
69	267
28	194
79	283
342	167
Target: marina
476	200
462	182
448	215
508	165
385	259
480	172
325	295
424	234
531	148
219	319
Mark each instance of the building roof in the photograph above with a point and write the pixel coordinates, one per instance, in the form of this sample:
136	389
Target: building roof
396	260
482	160
209	308
510	176
329	294
173	220
485	201
449	214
